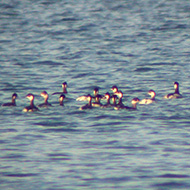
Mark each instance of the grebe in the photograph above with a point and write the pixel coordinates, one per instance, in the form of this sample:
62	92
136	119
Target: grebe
176	94
134	102
152	93
96	91
107	97
46	103
89	105
61	98
13	103
113	98
31	107
120	96
64	86
96	94
115	89
97	102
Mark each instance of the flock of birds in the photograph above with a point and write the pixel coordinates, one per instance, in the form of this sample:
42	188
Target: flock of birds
113	99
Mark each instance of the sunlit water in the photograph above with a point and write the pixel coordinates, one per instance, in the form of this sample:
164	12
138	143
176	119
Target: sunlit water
137	45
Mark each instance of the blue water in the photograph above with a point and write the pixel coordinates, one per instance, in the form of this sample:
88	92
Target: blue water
137	45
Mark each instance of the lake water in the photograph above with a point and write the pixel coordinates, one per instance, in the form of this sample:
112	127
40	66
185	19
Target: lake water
137	45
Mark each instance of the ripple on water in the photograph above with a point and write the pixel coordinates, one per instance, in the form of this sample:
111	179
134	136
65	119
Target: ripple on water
173	176
115	180
55	129
173	185
12	156
9	130
59	156
144	69
20	175
48	62
57	126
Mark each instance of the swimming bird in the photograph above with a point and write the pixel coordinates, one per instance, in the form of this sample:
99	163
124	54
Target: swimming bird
82	98
120	96
89	105
113	98
152	93
107	97
64	86
176	94
115	89
13	102
61	98
97	102
46	103
31	107
96	96
96	91
134	102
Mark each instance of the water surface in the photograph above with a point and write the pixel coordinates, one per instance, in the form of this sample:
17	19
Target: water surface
136	45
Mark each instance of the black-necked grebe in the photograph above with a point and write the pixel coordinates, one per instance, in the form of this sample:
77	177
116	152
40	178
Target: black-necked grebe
134	102
89	105
120	96
44	94
96	96
96	91
31	107
113	98
64	86
82	98
176	94
61	98
97	102
107	97
152	93
114	89
13	103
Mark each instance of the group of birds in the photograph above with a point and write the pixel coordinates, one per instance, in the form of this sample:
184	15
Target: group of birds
44	94
113	99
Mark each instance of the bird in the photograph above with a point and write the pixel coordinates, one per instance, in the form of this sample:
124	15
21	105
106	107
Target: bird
113	98
97	102
64	86
120	96
31	107
96	91
89	105
107	97
46	103
96	96
61	98
152	93
134	102
13	102
174	95
115	89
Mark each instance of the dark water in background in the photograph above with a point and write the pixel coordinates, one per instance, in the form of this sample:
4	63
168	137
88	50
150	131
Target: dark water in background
137	45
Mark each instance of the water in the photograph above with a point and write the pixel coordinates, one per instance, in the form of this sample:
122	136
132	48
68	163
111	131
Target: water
137	45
